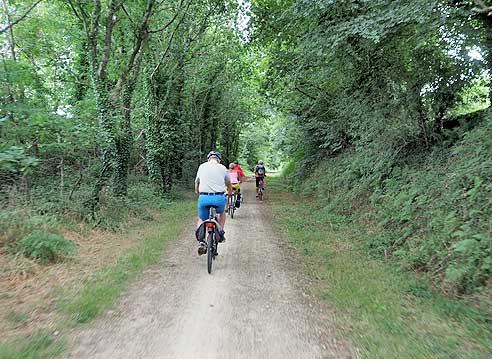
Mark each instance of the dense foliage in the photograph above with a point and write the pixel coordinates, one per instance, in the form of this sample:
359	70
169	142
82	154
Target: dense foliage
93	91
381	92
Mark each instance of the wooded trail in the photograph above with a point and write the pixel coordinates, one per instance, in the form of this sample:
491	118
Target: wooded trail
255	304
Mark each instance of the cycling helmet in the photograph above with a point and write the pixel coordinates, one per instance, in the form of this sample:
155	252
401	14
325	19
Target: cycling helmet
214	154
260	162
236	162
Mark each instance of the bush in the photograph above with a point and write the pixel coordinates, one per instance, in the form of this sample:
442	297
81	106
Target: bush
16	224
45	247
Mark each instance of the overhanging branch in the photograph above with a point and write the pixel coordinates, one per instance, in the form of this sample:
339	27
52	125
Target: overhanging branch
21	18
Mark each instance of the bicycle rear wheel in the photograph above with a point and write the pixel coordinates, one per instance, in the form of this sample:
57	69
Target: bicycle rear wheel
210	251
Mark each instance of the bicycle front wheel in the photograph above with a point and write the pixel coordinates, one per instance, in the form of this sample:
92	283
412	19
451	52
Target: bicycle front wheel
210	251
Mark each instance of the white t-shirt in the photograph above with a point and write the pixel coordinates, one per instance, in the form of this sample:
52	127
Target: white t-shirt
212	177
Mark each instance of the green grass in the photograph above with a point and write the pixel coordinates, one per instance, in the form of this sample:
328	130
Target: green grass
101	291
16	317
38	346
386	313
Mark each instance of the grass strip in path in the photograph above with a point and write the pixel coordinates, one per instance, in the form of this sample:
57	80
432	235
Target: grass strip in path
102	290
386	313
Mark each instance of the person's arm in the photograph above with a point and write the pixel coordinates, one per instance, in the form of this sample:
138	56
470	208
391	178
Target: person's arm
227	180
197	181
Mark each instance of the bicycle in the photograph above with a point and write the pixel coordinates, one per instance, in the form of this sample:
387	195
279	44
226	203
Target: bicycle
212	242
231	208
260	190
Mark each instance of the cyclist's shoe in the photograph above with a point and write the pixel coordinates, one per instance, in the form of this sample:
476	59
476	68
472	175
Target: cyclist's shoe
222	236
202	248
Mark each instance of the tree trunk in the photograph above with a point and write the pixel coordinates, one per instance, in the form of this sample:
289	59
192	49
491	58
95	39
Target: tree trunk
153	131
107	141
124	145
487	21
81	72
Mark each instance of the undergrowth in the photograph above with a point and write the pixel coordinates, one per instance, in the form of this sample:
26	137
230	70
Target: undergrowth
44	247
47	209
428	210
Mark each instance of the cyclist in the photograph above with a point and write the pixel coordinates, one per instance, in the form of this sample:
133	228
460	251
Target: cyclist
239	170
241	176
235	182
212	180
260	174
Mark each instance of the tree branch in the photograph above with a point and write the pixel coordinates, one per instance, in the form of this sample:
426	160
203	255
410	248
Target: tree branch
92	32
141	36
305	93
171	40
170	21
482	9
127	14
21	18
110	22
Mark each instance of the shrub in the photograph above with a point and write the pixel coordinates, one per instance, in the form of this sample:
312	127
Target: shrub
45	247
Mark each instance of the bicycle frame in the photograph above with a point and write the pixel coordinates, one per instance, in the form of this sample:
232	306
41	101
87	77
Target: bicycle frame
211	240
261	189
231	204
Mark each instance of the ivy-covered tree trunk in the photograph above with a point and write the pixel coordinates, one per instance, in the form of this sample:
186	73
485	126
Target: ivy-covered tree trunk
152	133
488	44
107	142
124	143
81	70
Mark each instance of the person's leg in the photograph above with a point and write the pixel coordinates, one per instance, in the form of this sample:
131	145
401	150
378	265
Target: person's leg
238	196
257	185
236	193
202	210
202	215
220	202
222	219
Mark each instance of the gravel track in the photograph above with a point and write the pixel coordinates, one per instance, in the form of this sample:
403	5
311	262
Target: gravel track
255	304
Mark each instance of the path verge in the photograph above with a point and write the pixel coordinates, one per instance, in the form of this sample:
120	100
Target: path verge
100	287
387	313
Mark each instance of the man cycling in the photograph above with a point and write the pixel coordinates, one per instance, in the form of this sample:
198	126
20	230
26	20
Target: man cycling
260	174
212	180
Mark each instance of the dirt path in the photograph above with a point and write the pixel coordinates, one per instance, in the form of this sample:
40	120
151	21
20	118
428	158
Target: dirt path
254	305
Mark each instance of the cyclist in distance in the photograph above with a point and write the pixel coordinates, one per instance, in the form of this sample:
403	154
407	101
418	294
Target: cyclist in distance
260	174
235	182
239	170
211	182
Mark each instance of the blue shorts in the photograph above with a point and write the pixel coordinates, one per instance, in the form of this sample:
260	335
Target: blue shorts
204	201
